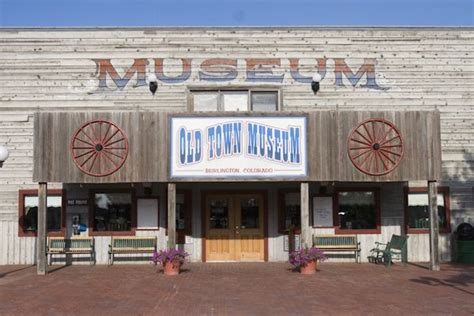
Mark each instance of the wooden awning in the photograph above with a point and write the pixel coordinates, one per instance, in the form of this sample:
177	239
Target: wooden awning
112	147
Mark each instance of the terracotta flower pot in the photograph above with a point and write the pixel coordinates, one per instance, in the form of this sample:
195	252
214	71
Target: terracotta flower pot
171	267
309	268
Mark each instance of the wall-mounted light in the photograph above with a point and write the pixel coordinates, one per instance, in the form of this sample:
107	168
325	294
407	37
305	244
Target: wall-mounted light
152	83
147	188
3	155
315	82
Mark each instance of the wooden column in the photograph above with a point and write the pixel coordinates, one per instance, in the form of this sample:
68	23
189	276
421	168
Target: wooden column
434	225
171	215
41	262
306	235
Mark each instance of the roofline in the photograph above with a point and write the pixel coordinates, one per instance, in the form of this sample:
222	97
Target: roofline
167	28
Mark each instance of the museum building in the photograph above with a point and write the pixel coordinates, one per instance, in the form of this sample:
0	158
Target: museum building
224	141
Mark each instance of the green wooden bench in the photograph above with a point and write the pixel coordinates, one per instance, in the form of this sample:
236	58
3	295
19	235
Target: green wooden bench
338	243
394	249
73	245
130	245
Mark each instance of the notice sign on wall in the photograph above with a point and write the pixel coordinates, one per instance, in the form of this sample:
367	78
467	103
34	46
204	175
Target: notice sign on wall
235	147
322	211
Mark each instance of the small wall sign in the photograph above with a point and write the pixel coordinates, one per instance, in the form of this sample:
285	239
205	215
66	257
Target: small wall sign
78	202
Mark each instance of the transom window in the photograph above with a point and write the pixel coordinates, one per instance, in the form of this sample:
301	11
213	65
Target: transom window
234	100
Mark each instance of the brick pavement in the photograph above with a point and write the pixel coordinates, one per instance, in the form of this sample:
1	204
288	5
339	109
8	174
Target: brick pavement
238	289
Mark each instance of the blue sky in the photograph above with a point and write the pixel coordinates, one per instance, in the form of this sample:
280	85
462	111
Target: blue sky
15	13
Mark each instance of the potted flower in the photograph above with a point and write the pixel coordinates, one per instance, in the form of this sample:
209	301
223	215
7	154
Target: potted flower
305	259
171	259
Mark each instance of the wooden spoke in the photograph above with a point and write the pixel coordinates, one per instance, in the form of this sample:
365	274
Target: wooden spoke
365	138
363	153
109	144
359	148
358	141
81	140
372	149
107	150
86	153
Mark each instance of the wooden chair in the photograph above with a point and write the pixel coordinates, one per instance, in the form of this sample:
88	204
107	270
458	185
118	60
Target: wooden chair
394	249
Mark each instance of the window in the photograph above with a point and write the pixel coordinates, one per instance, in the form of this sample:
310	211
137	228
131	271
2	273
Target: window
28	212
357	211
289	210
113	211
235	100
417	212
183	215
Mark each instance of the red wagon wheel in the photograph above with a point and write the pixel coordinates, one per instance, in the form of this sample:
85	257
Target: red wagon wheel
375	147
99	148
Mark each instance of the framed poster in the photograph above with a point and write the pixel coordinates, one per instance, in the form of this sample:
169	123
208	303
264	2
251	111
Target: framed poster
322	211
147	213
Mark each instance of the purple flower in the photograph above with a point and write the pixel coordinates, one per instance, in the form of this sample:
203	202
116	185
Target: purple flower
303	256
171	255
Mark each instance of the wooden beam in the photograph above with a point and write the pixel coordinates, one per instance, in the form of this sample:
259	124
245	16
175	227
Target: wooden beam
434	225
171	215
41	262
306	235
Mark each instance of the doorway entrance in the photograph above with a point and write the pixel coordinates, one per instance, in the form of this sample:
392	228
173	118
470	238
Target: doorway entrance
234	227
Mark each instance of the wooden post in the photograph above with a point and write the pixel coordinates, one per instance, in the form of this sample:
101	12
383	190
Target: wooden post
41	260
434	225
306	235
171	215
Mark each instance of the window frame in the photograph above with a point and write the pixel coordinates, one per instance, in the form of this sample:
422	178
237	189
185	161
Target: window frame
447	209
188	217
193	89
188	225
131	232
21	211
378	218
282	212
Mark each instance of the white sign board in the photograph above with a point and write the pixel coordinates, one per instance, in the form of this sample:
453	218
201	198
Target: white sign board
147	213
238	147
322	211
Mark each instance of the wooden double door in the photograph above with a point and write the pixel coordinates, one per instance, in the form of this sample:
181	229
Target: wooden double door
234	227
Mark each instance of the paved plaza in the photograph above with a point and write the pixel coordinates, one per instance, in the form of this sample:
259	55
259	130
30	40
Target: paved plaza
238	289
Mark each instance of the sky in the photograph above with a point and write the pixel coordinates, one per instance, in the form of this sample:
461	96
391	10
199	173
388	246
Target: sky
83	13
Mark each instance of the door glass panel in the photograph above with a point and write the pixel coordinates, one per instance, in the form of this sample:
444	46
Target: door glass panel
249	213
219	214
235	101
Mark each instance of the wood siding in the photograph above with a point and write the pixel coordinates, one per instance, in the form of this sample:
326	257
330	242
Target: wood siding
54	70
